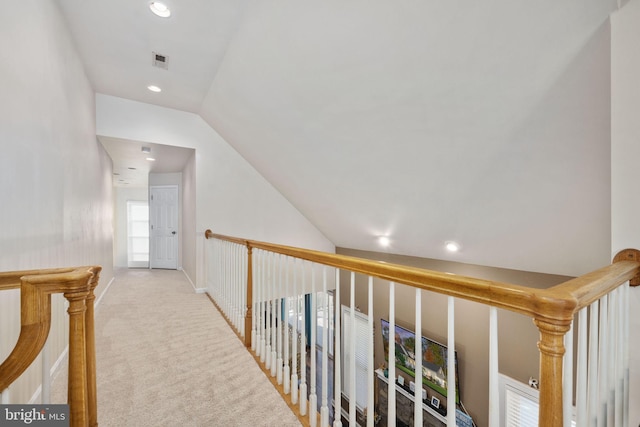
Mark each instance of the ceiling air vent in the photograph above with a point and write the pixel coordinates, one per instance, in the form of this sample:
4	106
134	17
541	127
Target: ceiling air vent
159	60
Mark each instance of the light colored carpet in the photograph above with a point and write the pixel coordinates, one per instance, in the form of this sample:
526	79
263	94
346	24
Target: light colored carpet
166	357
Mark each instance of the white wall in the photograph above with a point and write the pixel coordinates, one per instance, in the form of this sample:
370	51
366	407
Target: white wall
122	196
56	178
625	152
231	197
189	237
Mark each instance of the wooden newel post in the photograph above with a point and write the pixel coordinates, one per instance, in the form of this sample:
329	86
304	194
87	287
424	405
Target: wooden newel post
248	319
77	388
551	346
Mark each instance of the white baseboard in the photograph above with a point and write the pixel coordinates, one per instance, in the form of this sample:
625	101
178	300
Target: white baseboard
196	289
53	372
97	302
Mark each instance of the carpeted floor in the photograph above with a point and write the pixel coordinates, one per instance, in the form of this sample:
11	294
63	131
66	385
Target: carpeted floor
166	357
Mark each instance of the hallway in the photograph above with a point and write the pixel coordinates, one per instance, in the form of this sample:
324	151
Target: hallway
166	357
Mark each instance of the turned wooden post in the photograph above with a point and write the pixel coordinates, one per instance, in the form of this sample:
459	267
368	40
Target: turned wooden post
77	388
91	349
248	319
552	350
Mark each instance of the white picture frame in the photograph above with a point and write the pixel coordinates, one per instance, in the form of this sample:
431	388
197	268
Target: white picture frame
435	402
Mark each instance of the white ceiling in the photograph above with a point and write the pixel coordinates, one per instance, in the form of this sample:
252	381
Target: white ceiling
130	165
482	122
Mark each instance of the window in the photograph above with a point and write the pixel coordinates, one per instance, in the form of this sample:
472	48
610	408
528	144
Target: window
138	233
321	301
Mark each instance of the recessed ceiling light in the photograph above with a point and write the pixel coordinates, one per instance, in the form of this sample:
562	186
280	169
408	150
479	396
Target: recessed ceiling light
384	241
151	159
160	9
154	88
452	246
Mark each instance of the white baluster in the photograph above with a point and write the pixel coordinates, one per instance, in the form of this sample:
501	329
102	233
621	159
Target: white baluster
370	366
237	289
451	365
225	272
233	285
236	286
303	350
611	357
313	396
337	362
256	297
242	289
593	364
269	290
625	354
274	321
244	263
324	409
294	344
229	271
220	289
581	380
494	389
287	305
567	378
604	360
279	323
218	272
352	351
262	326
217	267
391	410
229	293
619	365
417	417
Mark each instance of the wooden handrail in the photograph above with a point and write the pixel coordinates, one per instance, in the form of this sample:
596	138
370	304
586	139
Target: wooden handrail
36	287
556	303
552	309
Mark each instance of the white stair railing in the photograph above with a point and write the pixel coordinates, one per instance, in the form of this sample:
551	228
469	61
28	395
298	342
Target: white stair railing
602	396
284	287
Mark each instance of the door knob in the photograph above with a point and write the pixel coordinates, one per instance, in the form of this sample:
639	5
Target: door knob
173	232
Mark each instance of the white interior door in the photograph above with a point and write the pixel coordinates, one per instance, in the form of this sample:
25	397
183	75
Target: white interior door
163	209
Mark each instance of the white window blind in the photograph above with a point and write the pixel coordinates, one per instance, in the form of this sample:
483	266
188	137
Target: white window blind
520	403
521	411
361	341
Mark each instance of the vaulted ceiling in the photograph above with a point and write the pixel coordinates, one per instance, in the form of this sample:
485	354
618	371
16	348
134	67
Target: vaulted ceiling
486	123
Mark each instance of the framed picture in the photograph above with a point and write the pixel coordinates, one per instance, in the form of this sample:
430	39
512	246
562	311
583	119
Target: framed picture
434	358
435	402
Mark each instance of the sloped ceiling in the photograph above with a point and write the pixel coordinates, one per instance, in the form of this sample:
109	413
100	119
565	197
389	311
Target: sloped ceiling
486	123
